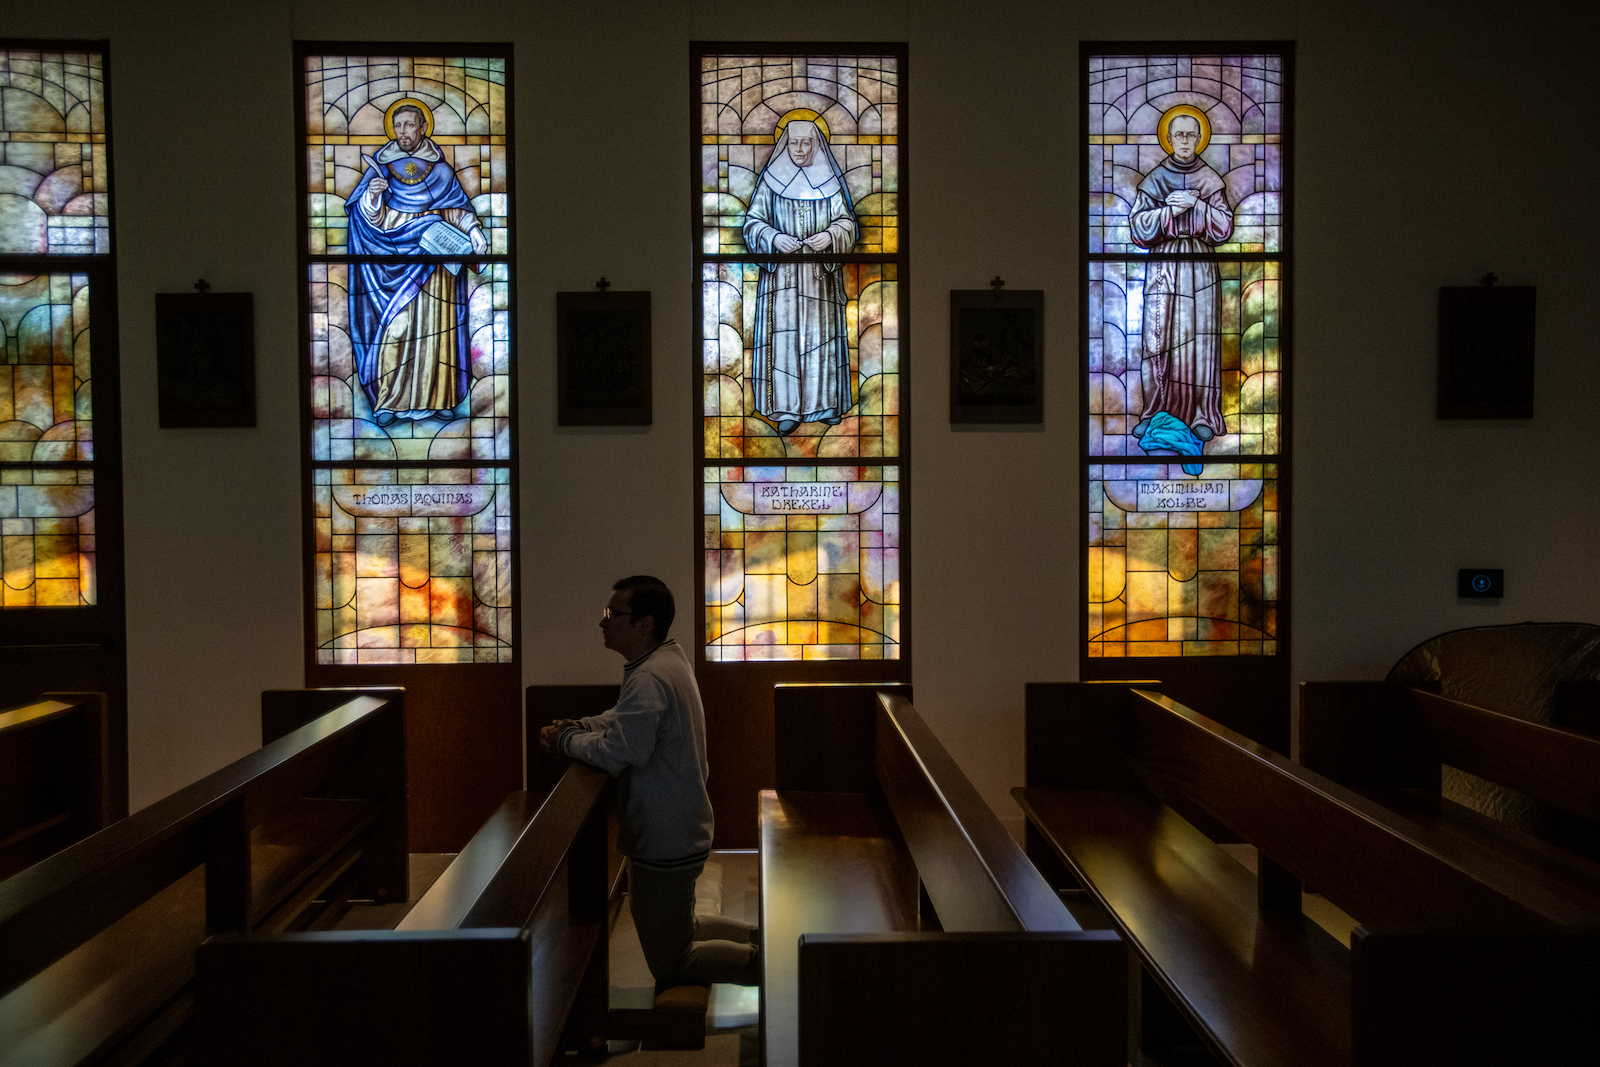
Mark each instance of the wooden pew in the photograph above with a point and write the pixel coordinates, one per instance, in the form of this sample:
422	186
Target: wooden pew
1454	962
99	939
1389	742
502	960
54	776
900	923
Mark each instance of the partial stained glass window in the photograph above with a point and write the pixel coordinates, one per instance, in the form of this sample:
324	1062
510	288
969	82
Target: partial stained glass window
47	537
1183	565
409	298
53	171
472	420
1186	235
46	511
351	108
802	563
800	258
738	385
413	565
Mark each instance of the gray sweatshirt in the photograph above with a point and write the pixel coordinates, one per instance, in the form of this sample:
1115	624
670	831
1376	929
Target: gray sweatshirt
654	743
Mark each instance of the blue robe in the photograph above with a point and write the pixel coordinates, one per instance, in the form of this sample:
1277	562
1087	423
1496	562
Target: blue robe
381	292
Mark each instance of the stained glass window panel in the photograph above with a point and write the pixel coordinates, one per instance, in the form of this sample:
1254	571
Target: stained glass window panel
47	537
746	101
1237	104
413	565
45	404
353	105
53	167
1246	298
802	562
1185	285
1183	564
464	416
868	426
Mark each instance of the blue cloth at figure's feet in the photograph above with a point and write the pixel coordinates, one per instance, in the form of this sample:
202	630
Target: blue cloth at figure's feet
1167	436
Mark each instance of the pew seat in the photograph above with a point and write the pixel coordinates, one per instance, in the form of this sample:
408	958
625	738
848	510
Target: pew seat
899	921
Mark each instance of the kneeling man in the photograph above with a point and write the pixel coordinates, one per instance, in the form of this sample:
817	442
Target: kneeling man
654	743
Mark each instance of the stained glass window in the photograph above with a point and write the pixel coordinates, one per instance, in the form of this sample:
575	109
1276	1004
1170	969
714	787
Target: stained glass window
409	282
46	484
1185	272
53	201
800	257
53	167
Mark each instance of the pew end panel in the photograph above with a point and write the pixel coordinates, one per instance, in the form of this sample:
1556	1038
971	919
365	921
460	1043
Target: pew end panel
1474	998
823	735
54	776
417	997
962	998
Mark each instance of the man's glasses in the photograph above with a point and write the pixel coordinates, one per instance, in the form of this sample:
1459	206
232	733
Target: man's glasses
607	613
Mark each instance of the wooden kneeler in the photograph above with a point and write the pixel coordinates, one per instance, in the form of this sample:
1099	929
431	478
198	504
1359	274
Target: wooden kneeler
677	1020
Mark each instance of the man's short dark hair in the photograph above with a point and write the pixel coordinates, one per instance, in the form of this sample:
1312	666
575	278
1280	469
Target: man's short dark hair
650	596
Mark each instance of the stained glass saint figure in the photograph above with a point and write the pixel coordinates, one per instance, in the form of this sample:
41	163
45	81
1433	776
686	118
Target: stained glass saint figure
1181	208
801	366
408	321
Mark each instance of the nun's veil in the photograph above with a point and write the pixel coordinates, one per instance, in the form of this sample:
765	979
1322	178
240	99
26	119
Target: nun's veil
817	180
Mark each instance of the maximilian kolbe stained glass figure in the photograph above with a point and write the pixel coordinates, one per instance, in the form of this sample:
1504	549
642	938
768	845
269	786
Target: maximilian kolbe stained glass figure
1181	207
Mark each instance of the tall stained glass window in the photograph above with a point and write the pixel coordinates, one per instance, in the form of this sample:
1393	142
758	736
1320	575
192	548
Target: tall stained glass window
1185	269
801	262
407	270
55	245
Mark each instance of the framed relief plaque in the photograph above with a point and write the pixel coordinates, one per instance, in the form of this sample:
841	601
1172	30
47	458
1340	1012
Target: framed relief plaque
996	356
603	359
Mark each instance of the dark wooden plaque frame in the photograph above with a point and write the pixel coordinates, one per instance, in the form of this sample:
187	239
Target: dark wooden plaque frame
1486	352
603	375
997	356
206	359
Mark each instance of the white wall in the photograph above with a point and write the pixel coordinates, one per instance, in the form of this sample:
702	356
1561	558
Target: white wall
1429	152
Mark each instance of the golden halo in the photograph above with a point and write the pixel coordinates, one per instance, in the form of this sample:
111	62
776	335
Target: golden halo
801	113
427	115
1183	109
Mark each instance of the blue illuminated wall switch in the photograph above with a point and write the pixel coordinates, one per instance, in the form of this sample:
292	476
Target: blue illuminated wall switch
1480	583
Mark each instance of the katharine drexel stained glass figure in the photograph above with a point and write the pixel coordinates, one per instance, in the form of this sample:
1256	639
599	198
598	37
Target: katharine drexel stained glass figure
801	365
1181	208
408	321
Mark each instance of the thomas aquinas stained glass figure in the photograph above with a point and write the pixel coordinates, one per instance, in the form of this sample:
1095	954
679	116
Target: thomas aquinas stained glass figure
1181	207
801	367
408	321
